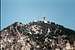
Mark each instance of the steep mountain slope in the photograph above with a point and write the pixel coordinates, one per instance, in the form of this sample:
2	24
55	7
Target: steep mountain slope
40	35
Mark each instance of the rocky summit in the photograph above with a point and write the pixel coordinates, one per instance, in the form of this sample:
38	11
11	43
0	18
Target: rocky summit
39	35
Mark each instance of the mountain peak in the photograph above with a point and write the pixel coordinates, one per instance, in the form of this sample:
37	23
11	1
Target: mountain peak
38	34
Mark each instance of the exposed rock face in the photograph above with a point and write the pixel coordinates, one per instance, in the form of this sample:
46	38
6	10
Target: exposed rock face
38	35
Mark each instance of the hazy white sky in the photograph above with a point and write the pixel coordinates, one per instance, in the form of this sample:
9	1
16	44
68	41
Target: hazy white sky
60	11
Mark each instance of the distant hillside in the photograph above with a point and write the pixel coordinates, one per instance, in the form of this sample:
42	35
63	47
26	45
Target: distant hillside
43	33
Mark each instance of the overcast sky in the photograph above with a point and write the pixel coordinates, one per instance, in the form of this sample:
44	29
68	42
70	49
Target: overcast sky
59	11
